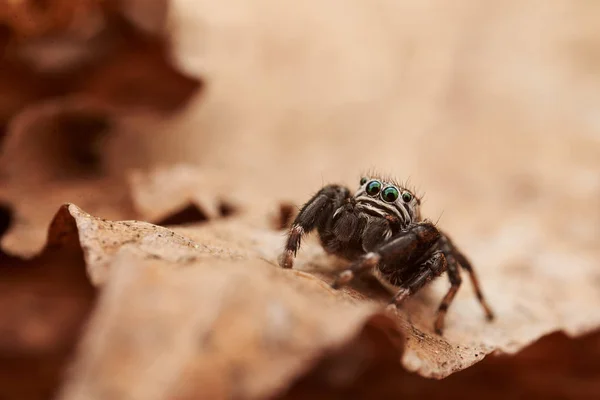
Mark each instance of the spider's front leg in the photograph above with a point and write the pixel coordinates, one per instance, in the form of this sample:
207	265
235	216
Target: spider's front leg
315	213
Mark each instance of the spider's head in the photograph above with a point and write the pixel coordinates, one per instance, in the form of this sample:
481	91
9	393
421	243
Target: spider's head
386	198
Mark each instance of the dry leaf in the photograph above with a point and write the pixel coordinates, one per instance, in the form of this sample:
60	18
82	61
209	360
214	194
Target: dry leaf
158	280
53	153
507	155
77	144
71	93
165	196
212	322
467	337
43	305
30	18
555	366
193	194
488	108
29	218
221	329
101	239
108	51
230	247
74	149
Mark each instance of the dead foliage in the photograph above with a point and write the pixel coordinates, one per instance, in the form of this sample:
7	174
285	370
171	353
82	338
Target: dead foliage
153	155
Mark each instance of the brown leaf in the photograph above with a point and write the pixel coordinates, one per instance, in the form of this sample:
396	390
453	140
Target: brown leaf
33	18
418	91
29	218
535	312
229	251
210	321
159	281
44	303
468	337
554	366
101	239
507	150
109	51
165	191
221	329
76	149
138	76
55	152
165	196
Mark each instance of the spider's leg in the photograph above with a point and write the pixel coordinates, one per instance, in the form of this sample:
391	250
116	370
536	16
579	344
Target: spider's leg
428	270
455	281
313	214
398	249
453	253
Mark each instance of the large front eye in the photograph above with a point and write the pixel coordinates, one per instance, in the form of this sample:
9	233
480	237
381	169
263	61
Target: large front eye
390	194
373	188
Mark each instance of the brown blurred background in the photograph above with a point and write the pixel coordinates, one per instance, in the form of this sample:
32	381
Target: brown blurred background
490	108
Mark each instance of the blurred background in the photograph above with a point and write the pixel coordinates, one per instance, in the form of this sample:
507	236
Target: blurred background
489	108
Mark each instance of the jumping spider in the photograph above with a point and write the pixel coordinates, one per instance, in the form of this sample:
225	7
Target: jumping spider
380	229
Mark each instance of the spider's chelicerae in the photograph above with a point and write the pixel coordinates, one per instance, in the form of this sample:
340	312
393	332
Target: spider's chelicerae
379	228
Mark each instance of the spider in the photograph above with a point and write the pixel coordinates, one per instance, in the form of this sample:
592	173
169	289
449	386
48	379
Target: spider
380	230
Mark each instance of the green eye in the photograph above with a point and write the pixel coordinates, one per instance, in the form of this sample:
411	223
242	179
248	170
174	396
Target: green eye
407	197
363	181
373	188
390	194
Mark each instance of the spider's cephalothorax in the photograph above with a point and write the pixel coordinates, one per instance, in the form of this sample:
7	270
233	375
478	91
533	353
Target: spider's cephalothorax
379	228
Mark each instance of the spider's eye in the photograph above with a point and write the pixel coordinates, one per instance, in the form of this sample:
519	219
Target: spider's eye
373	188
407	197
390	194
363	181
